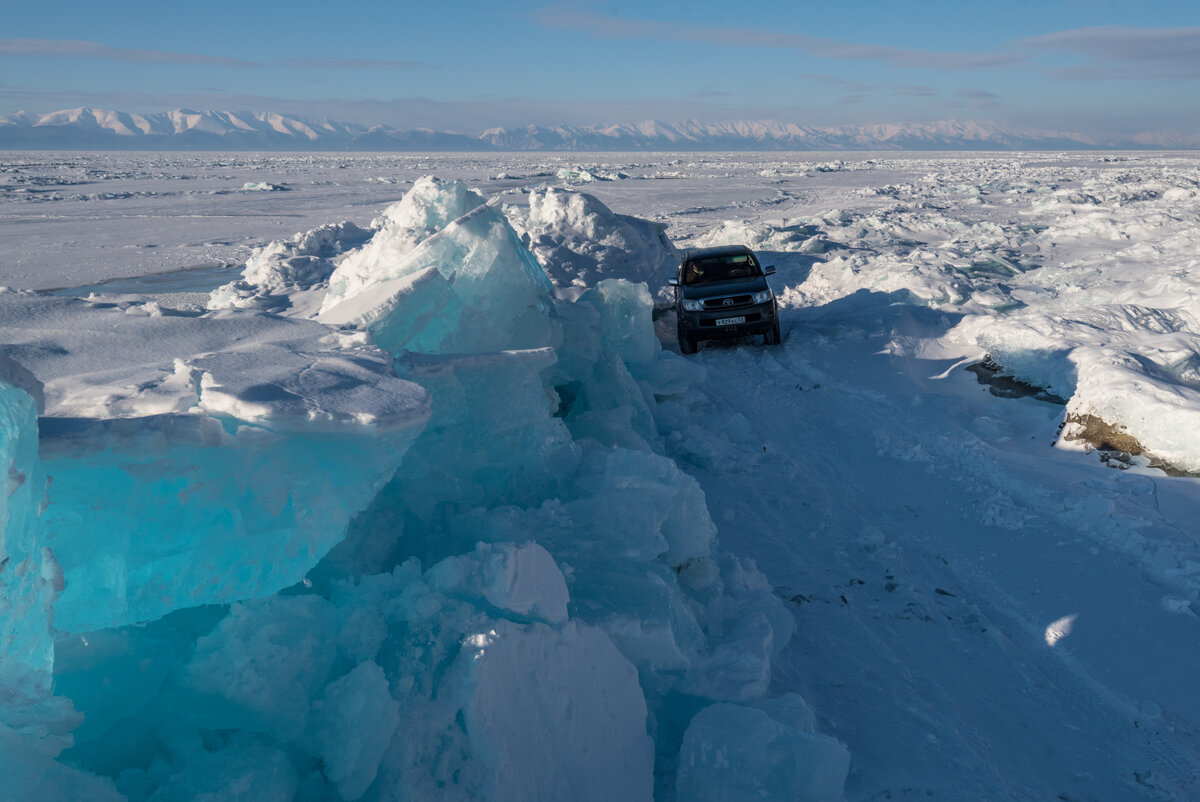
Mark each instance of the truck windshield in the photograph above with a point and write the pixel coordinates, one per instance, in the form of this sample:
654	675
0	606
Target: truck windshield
720	268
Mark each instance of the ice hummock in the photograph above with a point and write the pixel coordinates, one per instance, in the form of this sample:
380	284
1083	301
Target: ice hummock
28	575
767	751
467	287
534	605
1109	329
576	421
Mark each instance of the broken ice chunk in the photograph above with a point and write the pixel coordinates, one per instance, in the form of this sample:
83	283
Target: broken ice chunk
355	724
582	733
200	460
262	666
489	292
26	569
156	514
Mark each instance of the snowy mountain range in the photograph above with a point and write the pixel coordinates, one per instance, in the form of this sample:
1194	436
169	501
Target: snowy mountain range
103	129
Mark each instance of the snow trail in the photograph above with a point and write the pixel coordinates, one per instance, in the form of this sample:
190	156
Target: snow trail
905	520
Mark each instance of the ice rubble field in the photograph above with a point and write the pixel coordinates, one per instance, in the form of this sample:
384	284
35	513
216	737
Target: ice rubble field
422	503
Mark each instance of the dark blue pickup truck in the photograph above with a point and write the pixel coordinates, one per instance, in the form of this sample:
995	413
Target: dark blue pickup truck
723	292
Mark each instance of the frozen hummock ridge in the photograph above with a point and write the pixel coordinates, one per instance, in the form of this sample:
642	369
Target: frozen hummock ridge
570	391
577	240
526	599
798	236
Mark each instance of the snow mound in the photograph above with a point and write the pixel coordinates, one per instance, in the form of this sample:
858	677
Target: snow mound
580	241
1131	366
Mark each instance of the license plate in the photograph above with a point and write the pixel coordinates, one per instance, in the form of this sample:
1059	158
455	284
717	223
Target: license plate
730	321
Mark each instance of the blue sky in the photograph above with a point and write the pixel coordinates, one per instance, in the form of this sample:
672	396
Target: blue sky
1082	65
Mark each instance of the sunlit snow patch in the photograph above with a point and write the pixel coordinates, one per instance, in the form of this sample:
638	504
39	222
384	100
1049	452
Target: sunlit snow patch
1059	629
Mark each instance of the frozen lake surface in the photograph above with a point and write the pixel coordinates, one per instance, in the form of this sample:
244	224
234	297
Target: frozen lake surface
990	599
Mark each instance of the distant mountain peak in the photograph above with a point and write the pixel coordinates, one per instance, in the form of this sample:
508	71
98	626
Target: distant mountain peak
86	128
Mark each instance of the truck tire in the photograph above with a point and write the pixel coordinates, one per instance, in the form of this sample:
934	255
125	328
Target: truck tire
686	344
772	337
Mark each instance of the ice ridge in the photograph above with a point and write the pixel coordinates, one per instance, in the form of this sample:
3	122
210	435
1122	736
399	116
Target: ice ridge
459	567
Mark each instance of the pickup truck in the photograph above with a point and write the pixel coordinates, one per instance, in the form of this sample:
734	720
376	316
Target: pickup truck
723	292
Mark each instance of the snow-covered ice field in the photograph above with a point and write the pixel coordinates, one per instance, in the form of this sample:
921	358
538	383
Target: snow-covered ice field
330	481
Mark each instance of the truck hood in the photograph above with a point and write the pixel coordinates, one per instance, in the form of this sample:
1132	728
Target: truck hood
714	289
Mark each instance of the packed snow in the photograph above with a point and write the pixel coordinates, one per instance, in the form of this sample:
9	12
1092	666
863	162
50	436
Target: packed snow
422	502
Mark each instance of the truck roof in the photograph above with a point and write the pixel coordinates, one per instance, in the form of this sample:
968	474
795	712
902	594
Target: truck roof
723	250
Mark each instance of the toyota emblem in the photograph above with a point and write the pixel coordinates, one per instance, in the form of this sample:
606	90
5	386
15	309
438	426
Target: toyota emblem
728	302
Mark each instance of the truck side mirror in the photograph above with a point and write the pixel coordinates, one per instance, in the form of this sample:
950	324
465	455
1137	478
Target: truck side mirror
769	270
672	282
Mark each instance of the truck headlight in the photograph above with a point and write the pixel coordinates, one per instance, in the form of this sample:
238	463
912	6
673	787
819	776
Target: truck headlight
762	297
693	306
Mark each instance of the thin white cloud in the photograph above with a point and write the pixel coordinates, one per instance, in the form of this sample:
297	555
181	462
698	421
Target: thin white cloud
610	27
857	91
73	48
906	90
976	94
1107	52
1122	52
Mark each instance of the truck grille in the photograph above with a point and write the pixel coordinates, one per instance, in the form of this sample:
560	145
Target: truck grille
727	302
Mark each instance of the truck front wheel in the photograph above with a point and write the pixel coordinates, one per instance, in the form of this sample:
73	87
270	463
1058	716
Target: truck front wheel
772	337
686	344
